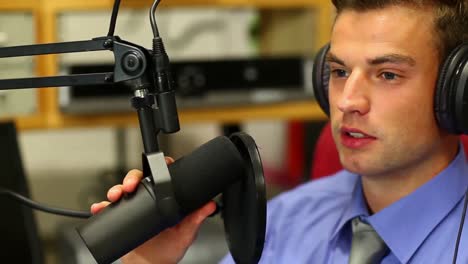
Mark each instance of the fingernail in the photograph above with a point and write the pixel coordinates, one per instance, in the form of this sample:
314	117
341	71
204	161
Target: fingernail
114	192
128	181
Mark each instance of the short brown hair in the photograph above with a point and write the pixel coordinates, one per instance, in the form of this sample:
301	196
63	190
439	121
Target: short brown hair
450	17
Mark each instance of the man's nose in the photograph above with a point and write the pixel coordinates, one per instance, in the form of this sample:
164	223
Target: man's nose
355	94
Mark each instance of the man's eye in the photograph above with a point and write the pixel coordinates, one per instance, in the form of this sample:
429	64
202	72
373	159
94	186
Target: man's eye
389	76
339	73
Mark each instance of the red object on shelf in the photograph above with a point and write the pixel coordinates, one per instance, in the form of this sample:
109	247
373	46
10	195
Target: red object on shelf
325	160
295	152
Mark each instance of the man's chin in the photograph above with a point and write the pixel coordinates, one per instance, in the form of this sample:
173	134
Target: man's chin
358	167
352	170
364	170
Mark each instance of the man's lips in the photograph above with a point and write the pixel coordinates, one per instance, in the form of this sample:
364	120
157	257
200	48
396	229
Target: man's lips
349	130
354	138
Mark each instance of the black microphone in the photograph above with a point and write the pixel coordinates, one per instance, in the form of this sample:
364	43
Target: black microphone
206	172
193	181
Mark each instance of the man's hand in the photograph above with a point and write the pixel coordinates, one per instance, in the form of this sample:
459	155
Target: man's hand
170	245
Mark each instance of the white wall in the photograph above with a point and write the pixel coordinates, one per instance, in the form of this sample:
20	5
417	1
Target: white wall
17	101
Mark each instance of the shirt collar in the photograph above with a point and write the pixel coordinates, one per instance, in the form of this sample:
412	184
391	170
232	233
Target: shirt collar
416	214
356	207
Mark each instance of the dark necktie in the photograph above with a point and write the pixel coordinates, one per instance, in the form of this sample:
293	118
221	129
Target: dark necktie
367	247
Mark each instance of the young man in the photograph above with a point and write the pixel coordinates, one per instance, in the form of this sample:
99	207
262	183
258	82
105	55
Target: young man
405	177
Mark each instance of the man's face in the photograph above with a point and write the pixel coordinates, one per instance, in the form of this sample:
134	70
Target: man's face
384	68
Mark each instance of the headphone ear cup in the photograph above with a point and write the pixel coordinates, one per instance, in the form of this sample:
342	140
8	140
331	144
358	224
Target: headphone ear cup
449	94
321	78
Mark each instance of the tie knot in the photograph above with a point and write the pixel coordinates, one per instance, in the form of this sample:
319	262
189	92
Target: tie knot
367	247
359	226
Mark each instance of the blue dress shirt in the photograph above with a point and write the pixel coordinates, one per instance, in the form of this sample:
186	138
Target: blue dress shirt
311	224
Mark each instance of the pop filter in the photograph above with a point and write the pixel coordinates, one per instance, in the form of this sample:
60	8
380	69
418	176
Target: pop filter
244	205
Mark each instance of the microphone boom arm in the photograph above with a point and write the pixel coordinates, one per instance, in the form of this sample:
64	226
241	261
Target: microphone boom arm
133	67
121	50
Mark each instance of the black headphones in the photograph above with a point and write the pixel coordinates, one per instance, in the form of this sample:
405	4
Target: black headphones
450	100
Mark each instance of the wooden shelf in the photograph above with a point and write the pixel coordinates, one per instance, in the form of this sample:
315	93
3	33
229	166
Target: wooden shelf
73	5
18	5
106	4
307	110
48	114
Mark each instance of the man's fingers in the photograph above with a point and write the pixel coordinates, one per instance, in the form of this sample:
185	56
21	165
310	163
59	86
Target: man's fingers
131	180
186	231
169	160
207	210
193	220
115	193
97	207
130	183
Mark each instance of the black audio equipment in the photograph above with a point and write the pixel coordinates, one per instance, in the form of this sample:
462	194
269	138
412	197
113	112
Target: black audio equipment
204	83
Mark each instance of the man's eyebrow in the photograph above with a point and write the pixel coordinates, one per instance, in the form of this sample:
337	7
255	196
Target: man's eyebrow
333	58
388	58
392	58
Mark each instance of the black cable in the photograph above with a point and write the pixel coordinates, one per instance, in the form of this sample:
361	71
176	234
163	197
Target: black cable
460	229
115	12
154	26
44	208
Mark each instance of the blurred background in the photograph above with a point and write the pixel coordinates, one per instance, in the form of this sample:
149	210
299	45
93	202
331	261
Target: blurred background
75	143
